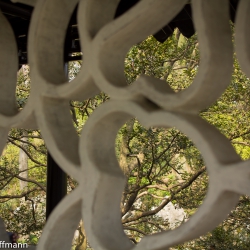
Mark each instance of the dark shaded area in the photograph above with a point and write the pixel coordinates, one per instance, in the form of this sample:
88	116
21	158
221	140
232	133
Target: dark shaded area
56	185
19	17
183	20
72	42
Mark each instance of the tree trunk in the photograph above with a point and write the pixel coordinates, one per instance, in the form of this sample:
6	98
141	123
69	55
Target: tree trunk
23	161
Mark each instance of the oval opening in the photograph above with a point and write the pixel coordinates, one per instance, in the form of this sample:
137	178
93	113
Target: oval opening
166	179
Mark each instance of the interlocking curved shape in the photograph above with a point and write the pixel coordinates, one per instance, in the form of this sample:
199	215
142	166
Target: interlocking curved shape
91	159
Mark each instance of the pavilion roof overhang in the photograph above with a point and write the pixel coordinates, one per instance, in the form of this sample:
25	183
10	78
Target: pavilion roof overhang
19	16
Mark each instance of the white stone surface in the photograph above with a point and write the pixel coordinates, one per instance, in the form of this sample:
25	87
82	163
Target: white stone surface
173	214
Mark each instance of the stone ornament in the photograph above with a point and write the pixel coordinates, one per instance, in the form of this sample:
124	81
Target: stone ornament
91	158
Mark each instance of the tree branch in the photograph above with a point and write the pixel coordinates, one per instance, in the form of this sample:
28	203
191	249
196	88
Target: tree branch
167	200
20	195
27	153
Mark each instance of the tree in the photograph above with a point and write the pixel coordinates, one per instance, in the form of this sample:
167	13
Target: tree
23	169
162	166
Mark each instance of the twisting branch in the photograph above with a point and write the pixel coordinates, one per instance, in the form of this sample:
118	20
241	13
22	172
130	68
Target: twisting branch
167	200
23	179
31	181
134	229
33	208
27	153
20	140
20	195
7	182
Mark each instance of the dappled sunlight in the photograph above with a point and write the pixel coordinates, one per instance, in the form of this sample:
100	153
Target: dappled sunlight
230	113
23	184
74	67
174	61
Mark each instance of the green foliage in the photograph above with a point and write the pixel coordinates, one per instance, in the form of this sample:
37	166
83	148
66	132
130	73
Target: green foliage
176	61
23	86
161	164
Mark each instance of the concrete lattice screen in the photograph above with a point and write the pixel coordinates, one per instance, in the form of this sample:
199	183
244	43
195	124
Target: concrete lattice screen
88	159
